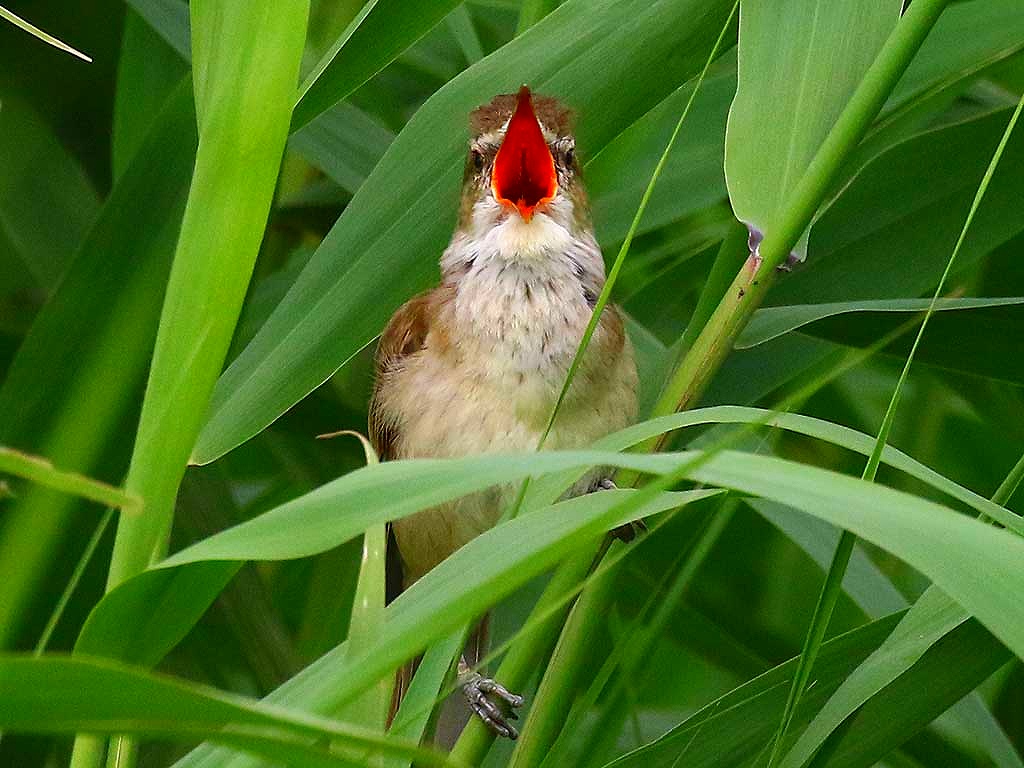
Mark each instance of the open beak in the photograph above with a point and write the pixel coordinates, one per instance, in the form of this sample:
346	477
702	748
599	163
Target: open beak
524	171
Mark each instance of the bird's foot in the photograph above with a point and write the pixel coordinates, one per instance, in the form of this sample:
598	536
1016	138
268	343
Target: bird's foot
480	692
630	530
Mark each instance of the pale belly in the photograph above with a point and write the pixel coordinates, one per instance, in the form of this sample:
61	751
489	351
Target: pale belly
447	413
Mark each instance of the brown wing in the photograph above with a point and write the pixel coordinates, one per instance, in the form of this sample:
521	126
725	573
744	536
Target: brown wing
404	335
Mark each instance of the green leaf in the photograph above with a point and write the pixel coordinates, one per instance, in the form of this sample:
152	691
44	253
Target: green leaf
100	323
344	508
454	593
864	583
946	673
47	203
161	607
381	31
169	18
421	699
532	11
931	618
544	490
53	694
781	113
460	23
845	546
653	361
311	524
771	322
345	143
692	178
386	244
971	725
981	342
967	38
371	708
735	727
734	730
148	71
242	133
42	472
976	564
890	233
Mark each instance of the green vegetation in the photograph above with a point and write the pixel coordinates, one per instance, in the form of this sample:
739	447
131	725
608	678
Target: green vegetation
203	230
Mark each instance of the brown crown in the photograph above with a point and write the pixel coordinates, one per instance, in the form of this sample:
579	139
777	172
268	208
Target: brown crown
549	110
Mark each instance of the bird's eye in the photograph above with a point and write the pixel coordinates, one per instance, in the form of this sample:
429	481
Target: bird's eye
478	159
570	156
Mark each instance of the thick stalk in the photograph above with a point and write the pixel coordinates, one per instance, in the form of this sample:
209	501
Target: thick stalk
561	679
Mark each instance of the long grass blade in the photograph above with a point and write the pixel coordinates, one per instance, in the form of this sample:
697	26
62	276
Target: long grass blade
37	32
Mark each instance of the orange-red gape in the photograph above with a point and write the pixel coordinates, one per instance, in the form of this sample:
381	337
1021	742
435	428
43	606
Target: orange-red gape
524	170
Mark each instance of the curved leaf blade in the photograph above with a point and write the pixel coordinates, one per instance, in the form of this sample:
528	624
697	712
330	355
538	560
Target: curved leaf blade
58	694
374	38
771	322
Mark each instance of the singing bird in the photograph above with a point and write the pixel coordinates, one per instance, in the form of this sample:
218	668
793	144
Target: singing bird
476	364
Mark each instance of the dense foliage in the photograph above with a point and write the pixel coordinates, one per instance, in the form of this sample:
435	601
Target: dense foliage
203	230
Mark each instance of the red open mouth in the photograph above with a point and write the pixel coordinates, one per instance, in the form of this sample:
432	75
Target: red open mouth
524	170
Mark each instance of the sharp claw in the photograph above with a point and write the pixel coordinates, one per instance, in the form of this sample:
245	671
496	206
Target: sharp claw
476	691
490	686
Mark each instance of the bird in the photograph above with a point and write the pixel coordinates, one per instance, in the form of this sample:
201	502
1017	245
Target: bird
476	364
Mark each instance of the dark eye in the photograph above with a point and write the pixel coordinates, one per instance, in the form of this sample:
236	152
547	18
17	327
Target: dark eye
478	159
570	156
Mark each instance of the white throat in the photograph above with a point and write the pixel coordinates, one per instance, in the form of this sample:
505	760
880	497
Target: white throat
524	293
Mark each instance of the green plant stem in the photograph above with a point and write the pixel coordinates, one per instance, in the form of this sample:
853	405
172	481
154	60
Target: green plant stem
751	284
748	289
72	585
829	595
37	32
555	695
220	235
1010	483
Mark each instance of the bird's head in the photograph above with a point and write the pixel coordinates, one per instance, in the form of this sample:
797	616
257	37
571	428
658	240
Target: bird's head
522	177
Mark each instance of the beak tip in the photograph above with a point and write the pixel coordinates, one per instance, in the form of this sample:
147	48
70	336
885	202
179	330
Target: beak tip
524	173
